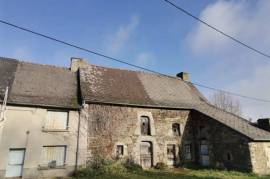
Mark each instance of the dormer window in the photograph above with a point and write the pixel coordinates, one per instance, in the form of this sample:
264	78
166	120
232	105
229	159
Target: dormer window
145	125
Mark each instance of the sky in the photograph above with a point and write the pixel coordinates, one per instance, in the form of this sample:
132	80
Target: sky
154	35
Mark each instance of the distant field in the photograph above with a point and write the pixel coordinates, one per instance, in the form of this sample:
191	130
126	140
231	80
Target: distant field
180	174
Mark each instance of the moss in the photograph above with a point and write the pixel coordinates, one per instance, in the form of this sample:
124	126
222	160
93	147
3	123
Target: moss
74	103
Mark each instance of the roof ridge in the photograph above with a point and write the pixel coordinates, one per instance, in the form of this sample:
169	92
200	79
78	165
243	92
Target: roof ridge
33	63
135	71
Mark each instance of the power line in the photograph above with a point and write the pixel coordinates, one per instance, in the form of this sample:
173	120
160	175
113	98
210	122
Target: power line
73	45
218	30
119	60
232	93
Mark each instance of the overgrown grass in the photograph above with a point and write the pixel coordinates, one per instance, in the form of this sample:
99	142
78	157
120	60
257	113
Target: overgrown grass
179	173
100	168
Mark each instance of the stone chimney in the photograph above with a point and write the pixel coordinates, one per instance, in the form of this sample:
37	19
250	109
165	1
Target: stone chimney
77	63
264	123
184	76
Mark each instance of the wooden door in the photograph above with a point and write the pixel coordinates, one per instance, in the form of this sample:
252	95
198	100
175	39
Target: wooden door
204	155
146	154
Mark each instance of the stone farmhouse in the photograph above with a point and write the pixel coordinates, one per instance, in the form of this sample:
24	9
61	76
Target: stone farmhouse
57	119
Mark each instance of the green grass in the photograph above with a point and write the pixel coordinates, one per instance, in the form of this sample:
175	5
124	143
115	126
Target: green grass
180	173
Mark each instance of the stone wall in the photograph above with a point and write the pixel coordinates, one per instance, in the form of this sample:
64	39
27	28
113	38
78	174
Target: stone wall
260	153
112	125
227	148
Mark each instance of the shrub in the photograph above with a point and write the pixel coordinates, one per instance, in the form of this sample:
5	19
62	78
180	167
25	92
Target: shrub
132	166
97	162
98	165
161	166
84	172
115	168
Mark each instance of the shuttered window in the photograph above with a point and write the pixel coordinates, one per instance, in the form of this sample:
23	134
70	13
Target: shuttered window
57	120
53	156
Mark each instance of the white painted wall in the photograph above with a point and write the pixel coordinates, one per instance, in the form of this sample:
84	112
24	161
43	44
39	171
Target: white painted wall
23	129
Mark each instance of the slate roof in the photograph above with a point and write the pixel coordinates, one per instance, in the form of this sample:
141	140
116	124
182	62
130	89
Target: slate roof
38	85
117	86
7	73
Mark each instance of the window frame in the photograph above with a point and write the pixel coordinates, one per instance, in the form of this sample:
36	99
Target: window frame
46	129
46	166
148	133
176	126
122	150
228	156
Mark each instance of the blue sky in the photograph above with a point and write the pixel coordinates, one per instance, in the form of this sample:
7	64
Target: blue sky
151	34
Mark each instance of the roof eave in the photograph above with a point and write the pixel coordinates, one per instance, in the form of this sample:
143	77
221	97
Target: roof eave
261	140
89	101
44	106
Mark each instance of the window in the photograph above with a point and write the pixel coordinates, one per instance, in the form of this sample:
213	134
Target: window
171	154
56	120
187	152
228	156
176	129
53	156
119	150
145	125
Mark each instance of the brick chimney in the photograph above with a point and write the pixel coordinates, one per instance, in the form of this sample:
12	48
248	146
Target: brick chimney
77	63
184	76
264	123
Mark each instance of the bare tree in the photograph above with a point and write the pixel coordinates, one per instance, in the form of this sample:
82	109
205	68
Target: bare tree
226	102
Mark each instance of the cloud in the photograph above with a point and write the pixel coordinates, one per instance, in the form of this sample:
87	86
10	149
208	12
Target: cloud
235	67
247	22
257	85
116	41
145	59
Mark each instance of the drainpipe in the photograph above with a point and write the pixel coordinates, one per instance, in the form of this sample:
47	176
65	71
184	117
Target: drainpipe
78	142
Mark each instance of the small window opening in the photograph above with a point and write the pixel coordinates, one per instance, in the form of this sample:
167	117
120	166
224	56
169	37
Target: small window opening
229	156
119	150
176	129
145	125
